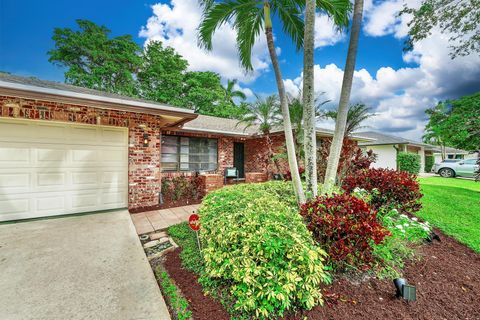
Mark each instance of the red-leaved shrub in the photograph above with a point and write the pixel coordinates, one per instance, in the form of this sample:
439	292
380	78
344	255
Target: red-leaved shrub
288	175
394	188
346	227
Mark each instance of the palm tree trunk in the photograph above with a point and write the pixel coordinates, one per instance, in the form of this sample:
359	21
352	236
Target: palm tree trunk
292	159
336	147
310	141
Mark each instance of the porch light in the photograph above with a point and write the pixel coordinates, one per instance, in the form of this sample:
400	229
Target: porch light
146	139
404	290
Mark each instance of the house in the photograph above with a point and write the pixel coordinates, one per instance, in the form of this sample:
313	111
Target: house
452	153
387	147
66	149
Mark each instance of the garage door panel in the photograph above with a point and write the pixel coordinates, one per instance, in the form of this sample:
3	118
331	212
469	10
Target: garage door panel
54	133
51	155
53	169
13	156
113	137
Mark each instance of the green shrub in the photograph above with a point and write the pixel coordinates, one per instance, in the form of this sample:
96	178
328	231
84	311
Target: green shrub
256	243
429	162
409	162
406	234
186	239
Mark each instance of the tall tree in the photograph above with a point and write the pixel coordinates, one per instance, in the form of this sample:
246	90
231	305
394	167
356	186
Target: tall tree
459	19
310	141
231	92
264	113
436	130
94	60
356	115
341	121
338	10
248	17
161	74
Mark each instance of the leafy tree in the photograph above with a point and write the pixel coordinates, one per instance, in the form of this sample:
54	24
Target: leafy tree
455	123
436	129
356	114
161	74
118	65
458	18
96	61
341	120
231	92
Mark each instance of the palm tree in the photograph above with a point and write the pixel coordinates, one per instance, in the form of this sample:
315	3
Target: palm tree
297	109
248	18
356	114
264	113
231	92
341	121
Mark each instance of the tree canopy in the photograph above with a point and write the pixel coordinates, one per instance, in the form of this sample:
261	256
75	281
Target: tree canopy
455	123
458	18
95	60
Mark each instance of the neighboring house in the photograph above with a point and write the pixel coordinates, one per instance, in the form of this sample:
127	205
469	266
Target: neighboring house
452	153
387	146
66	149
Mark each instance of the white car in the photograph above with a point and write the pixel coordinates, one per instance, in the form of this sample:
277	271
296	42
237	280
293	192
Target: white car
453	168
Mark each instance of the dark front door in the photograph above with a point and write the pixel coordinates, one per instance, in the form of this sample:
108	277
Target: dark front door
239	158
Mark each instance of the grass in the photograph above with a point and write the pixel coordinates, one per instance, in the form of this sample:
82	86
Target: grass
178	304
453	205
187	240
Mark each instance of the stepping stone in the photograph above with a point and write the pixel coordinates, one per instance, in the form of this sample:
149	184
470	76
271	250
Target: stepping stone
158	235
151	244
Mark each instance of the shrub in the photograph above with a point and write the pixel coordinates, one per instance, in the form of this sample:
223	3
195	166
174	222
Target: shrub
346	227
352	159
186	239
429	162
256	243
406	234
388	188
409	162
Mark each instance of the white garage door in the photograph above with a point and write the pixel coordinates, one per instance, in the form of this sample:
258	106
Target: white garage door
52	168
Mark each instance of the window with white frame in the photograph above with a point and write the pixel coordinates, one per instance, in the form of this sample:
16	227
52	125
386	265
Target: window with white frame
189	153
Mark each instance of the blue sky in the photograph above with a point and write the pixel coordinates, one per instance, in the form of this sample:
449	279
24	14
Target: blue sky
398	87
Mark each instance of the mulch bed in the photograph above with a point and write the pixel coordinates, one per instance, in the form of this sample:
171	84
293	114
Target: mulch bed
167	205
447	280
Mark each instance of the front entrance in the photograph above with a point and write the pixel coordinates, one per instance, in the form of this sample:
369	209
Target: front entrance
239	158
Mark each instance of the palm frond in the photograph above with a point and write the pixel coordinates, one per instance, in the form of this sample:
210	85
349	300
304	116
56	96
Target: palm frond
292	22
248	24
338	10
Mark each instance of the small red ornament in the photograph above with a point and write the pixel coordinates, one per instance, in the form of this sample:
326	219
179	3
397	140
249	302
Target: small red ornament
194	222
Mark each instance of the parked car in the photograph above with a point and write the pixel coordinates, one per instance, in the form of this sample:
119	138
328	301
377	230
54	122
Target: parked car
451	168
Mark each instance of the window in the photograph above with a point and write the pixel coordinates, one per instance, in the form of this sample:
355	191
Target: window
188	154
470	161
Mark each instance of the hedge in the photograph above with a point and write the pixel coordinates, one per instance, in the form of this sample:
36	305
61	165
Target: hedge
429	162
409	162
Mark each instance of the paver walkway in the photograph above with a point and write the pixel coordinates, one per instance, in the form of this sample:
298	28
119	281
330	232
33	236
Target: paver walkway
151	221
77	267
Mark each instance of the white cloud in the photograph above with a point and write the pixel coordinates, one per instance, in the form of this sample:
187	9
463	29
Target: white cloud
400	97
176	24
326	34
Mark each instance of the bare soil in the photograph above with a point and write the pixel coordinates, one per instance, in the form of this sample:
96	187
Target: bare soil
447	278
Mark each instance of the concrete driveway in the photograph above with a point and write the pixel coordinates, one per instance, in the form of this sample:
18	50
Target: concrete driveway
78	267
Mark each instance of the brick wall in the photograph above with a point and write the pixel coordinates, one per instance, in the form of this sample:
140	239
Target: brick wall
256	155
144	162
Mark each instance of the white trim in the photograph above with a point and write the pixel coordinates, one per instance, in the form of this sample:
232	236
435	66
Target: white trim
87	96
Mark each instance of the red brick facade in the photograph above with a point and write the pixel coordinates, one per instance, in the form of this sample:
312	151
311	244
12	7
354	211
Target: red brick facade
144	172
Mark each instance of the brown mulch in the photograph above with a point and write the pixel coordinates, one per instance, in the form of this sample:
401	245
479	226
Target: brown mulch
202	307
447	280
167	205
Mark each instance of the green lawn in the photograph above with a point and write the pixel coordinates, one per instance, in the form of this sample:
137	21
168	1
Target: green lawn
453	205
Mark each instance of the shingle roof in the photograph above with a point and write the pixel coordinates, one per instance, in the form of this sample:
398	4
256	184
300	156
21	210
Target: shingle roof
219	125
382	139
58	88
